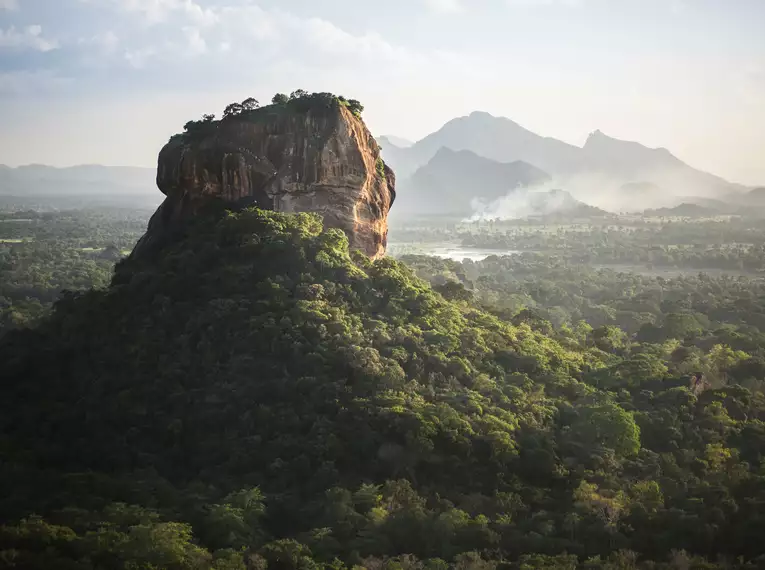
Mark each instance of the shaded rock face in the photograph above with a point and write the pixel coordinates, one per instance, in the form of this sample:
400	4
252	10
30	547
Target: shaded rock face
323	161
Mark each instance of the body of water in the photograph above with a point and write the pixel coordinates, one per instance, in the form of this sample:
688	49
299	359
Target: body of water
447	251
474	254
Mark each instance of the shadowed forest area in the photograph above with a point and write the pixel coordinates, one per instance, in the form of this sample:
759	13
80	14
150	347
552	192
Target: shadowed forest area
257	396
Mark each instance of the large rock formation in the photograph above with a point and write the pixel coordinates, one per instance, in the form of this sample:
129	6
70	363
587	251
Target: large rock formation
291	158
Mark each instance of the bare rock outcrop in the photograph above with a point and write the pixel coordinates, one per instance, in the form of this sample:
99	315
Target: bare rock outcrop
289	158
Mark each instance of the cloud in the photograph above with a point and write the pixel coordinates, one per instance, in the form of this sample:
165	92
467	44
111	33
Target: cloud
196	44
236	43
190	45
445	6
326	37
249	22
156	11
137	58
107	41
9	5
29	38
257	35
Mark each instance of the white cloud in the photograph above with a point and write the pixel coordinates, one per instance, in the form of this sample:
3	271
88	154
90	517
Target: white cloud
258	34
156	11
9	5
324	36
243	27
249	22
192	45
264	44
445	6
29	38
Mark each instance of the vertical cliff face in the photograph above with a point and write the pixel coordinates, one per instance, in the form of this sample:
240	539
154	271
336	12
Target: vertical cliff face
283	158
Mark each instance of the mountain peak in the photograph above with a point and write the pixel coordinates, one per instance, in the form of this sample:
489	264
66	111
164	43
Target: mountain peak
599	137
481	115
484	117
393	140
629	153
446	153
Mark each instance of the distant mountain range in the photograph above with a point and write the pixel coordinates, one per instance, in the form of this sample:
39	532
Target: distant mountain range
471	160
748	204
387	140
684	210
755	197
491	137
446	187
41	180
623	174
439	187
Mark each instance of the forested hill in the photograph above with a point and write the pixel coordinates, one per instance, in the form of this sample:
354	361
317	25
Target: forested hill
257	397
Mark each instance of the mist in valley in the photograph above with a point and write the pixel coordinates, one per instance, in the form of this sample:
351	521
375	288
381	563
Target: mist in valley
602	191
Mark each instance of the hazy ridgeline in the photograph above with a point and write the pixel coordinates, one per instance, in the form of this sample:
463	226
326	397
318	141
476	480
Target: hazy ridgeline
491	167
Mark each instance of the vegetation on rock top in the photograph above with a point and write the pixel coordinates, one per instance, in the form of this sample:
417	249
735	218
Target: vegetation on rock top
298	101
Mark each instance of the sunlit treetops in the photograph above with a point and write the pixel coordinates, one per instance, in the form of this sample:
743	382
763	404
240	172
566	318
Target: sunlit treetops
298	101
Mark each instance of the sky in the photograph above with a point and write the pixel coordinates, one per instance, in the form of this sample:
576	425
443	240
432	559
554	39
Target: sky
108	81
